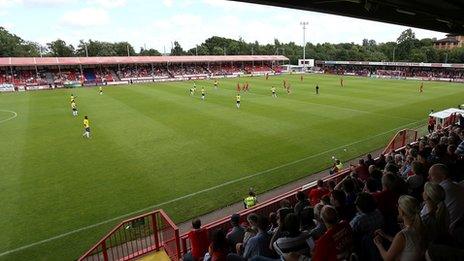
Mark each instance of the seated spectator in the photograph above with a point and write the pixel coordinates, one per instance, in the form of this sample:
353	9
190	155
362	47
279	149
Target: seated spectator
371	186
219	248
338	201
362	170
406	168
293	240
408	244
337	241
386	202
198	241
454	199
369	160
316	193
280	230
251	230
368	218
381	162
237	232
320	228
301	203
436	218
258	245
272	223
416	180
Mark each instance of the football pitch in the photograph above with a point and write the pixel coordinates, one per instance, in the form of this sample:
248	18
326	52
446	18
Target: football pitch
155	146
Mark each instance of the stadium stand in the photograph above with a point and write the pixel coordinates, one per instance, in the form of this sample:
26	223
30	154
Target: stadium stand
399	70
37	73
418	180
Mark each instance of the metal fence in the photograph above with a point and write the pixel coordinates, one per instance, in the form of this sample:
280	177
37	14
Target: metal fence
138	236
401	138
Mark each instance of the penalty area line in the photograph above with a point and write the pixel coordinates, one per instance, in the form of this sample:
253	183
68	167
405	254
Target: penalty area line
199	192
9	118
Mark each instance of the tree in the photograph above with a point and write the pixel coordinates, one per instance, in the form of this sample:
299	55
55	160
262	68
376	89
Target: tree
177	49
123	48
60	48
149	52
12	45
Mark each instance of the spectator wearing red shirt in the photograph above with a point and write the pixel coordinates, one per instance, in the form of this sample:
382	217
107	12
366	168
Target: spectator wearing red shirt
316	194
337	241
362	170
198	240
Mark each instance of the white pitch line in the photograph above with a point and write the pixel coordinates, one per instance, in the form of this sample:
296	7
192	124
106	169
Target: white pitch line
11	117
198	192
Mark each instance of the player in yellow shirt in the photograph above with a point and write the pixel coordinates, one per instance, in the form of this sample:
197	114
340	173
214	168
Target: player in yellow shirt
74	108
273	90
203	93
72	97
238	100
101	90
86	128
216	84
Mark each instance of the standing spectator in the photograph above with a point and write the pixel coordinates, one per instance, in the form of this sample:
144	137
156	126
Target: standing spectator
436	218
408	244
337	241
431	124
198	241
237	232
316	194
454	199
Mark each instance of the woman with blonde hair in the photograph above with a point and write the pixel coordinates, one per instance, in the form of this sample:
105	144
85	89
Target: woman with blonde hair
434	214
409	243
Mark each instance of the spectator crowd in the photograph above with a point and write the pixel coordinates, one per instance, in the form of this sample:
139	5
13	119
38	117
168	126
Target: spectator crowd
406	205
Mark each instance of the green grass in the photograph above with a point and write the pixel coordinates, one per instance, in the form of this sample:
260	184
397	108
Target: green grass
153	143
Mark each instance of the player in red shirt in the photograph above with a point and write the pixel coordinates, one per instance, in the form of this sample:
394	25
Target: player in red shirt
317	193
267	76
238	87
337	242
198	240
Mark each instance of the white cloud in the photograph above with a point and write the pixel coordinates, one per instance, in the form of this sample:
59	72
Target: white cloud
168	3
108	3
46	3
85	17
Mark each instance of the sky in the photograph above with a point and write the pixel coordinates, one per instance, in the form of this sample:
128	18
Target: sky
157	23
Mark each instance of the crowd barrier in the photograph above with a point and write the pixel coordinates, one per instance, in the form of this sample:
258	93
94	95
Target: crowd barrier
136	237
